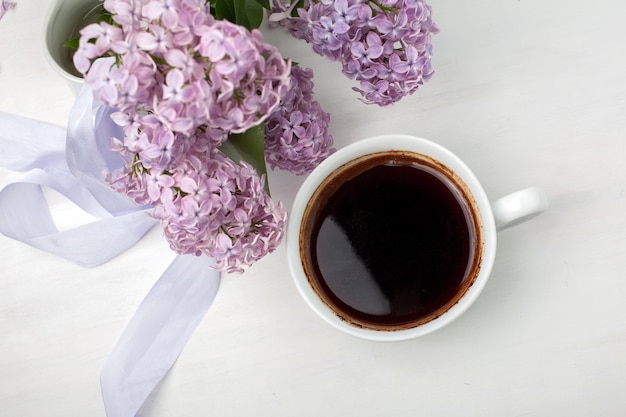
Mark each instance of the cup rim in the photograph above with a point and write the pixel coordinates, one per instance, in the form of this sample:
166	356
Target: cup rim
382	143
49	22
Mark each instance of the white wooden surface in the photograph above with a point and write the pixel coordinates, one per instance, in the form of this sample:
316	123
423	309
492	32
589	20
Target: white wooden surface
528	92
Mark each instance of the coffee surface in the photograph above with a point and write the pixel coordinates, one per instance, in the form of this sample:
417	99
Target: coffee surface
390	245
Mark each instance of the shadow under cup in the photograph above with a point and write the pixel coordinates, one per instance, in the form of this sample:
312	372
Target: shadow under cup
391	240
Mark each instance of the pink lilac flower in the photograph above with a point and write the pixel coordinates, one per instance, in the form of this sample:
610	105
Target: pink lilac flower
5	6
296	134
223	212
384	45
189	69
182	82
243	77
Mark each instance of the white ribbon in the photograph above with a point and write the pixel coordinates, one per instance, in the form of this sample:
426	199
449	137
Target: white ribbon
72	162
157	333
74	168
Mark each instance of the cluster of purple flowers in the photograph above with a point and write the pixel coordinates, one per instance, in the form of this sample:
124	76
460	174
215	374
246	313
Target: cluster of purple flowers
383	44
296	134
183	82
191	69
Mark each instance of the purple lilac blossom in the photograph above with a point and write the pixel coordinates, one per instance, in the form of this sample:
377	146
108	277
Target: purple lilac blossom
190	69
385	45
220	209
296	134
182	82
5	6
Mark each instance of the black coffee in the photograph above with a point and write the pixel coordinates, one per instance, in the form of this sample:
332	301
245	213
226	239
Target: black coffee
391	244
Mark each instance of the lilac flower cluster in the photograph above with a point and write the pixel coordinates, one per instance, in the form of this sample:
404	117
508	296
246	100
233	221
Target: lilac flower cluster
183	81
190	69
296	134
220	209
383	44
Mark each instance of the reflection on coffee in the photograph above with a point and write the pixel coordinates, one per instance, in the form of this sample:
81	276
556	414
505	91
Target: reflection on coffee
391	240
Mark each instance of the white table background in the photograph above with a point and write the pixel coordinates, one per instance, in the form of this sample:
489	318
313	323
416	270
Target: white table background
528	92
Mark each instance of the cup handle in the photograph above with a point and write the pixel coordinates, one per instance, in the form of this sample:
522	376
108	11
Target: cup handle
518	207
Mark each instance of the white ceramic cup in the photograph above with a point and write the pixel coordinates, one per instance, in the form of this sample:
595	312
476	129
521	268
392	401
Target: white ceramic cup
507	211
63	18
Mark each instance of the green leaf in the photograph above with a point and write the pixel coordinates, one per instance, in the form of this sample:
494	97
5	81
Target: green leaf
265	4
72	43
225	10
247	13
248	146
